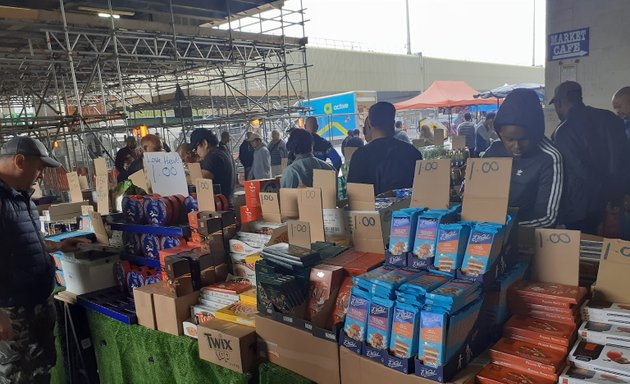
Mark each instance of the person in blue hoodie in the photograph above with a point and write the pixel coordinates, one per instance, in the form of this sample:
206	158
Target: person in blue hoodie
537	173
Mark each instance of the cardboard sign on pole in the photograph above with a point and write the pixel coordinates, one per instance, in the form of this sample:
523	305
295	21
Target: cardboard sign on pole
438	136
165	172
139	179
299	233
310	207
83	182
487	190
614	268
327	181
102	194
431	184
194	170
270	205
205	195
361	197
75	187
289	203
557	256
367	234
459	142
99	228
100	166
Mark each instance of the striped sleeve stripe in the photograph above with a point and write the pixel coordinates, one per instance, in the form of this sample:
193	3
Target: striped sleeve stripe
556	188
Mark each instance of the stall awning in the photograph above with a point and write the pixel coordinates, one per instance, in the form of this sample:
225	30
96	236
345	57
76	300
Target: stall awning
444	94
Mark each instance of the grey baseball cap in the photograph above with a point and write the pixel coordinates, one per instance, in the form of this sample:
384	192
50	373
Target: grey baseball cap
27	146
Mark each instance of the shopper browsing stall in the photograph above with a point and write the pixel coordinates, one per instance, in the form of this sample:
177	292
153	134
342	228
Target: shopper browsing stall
261	167
537	174
278	150
322	149
300	172
27	312
150	143
215	163
385	162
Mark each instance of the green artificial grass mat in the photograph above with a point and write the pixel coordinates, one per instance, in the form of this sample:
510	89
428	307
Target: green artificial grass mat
135	354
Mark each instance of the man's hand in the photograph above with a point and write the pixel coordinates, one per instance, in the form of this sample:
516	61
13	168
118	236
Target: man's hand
6	330
71	245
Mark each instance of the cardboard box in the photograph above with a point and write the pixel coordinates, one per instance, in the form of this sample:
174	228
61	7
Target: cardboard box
498	374
601	358
143	299
539	329
254	187
249	214
229	345
171	311
356	369
301	352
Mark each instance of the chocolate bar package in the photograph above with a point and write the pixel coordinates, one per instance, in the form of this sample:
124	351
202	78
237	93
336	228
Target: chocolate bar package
433	328
545	363
453	295
324	281
483	247
386	285
451	246
604	333
498	374
426	234
405	331
357	314
539	329
379	322
402	232
601	358
341	303
423	283
575	375
366	280
606	312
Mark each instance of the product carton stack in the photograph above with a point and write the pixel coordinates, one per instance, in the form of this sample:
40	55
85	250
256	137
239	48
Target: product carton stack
537	338
252	210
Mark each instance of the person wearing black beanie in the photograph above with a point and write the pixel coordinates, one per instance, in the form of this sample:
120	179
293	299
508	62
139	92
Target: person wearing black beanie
537	173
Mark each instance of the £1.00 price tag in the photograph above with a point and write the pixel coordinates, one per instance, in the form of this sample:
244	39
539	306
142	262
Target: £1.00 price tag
557	256
299	233
431	184
205	195
487	190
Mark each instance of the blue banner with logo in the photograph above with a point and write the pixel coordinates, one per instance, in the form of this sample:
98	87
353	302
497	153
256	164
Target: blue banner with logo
335	115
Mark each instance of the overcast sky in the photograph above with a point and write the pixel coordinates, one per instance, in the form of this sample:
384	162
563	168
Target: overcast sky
499	31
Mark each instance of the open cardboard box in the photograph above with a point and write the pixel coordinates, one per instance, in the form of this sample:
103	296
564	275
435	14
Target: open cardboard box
298	351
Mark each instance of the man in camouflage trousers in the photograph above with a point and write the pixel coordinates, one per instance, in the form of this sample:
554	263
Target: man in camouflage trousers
27	312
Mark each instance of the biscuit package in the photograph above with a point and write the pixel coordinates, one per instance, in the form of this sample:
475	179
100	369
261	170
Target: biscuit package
420	285
483	244
366	280
602	333
575	375
561	294
601	358
606	312
357	314
404	338
402	230
379	322
451	245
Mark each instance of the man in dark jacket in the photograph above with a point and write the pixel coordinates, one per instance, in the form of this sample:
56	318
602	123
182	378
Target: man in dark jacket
322	149
593	146
246	154
385	162
537	174
27	312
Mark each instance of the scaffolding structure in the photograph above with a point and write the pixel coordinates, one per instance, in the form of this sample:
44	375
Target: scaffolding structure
79	75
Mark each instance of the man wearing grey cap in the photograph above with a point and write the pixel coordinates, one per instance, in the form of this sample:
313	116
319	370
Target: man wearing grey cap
594	152
27	313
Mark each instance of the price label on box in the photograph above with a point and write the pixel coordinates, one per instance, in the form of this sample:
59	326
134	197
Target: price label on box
431	184
299	233
205	195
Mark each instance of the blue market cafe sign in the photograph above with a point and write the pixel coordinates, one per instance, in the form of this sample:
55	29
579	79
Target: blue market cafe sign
568	45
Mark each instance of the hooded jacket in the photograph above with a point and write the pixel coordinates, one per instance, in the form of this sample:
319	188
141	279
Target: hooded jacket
594	152
537	177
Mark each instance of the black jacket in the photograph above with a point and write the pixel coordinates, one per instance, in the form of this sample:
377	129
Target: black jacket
27	273
246	154
537	177
594	151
